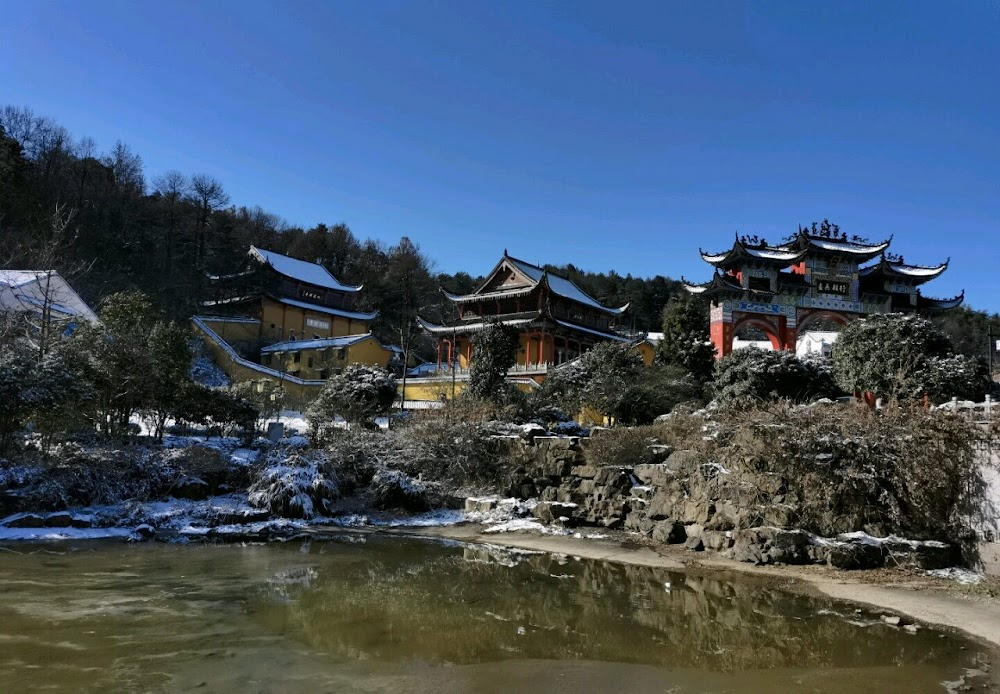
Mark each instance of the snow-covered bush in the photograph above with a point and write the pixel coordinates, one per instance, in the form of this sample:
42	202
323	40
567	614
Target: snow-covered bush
359	394
294	487
753	374
49	392
954	376
393	489
266	396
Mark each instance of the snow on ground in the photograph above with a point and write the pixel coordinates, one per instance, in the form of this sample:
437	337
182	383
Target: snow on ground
956	573
38	534
421	520
206	372
861	537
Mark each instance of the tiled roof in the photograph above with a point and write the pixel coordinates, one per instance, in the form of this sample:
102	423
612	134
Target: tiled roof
301	270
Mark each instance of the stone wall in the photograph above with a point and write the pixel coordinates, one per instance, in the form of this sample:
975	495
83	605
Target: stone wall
677	499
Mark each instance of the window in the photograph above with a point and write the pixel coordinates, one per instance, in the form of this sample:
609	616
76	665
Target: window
291	334
760	284
297	358
342	353
309	362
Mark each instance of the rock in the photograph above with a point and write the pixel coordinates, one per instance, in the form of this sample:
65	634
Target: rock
717	540
656	475
669	532
662	505
720	522
694	544
780	516
529	431
911	628
477	505
83	521
549	511
892	621
141	533
193	488
275	431
682	462
694	530
854	555
61	519
584	471
242	517
25	520
613	476
640	522
767	545
921	555
700	511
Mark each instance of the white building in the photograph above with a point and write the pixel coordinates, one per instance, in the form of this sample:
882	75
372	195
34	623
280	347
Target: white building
35	293
809	342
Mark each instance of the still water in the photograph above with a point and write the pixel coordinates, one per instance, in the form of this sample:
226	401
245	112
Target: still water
369	613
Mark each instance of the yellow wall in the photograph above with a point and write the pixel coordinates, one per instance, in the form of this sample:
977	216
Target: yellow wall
298	395
368	352
286	318
234	332
438	388
646	351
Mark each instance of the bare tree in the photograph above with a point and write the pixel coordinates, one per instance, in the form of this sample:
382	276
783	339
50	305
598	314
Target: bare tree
126	170
209	195
172	187
54	274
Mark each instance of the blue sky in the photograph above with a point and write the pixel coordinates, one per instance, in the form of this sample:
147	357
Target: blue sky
613	135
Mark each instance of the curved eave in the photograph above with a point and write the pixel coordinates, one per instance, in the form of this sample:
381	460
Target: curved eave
932	304
740	252
715	286
865	251
438	329
918	274
487	296
591	305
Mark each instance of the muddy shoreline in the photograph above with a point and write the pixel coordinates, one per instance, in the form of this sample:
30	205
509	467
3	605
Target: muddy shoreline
923	599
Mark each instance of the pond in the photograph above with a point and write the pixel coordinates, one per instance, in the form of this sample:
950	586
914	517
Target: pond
376	613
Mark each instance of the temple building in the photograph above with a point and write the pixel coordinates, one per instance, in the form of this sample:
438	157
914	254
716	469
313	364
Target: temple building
557	320
292	317
816	276
293	299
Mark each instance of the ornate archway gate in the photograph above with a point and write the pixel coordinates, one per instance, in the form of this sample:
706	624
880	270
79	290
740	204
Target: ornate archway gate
817	273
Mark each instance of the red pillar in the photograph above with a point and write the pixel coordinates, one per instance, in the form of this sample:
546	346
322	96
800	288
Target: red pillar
722	338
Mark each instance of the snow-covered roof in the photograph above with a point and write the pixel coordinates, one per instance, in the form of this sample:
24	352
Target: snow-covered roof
32	290
842	246
919	272
606	336
353	315
301	270
562	286
438	329
15	278
322	343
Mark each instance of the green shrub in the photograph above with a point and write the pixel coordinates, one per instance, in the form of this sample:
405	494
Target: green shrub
753	374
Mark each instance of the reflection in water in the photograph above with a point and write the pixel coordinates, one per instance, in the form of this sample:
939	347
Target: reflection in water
369	613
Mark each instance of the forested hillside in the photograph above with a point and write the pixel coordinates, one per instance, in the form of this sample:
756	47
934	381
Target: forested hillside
107	225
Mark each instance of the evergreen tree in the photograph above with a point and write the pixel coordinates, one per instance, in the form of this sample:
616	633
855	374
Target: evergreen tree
359	395
887	354
494	353
686	338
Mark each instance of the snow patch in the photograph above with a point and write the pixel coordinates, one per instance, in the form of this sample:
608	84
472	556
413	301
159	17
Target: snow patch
955	573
